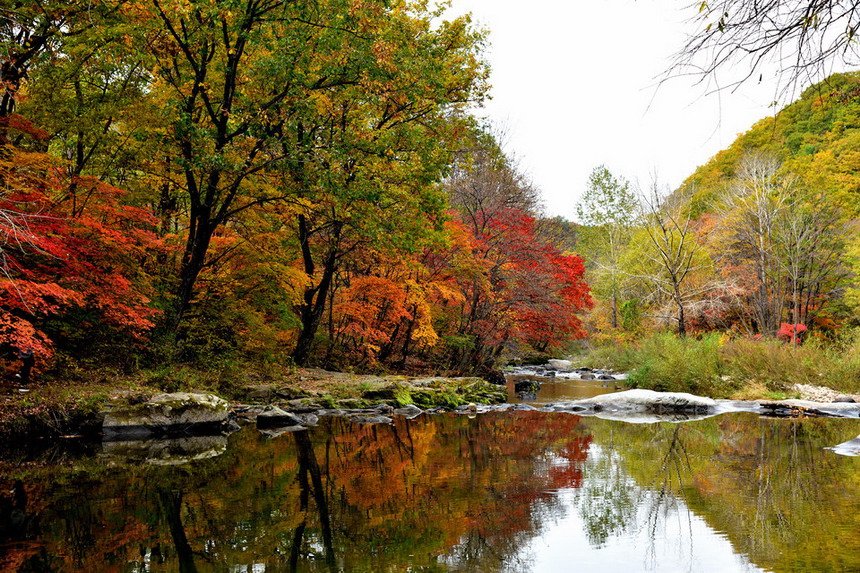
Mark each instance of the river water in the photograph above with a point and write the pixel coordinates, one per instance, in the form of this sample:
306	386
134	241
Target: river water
501	491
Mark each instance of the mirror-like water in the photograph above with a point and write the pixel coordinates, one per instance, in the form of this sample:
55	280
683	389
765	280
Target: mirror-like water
503	491
552	390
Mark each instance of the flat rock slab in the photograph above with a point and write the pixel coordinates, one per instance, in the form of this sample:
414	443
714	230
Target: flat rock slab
180	412
639	400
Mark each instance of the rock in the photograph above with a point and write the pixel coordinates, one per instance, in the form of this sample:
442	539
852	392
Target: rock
409	412
276	432
587	376
796	408
520	408
180	412
273	417
651	401
308	419
583	369
845	399
248	411
495	376
330	412
849	448
368	419
563	365
526	386
165	452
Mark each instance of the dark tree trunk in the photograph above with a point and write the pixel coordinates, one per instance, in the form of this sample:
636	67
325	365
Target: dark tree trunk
311	311
172	505
193	262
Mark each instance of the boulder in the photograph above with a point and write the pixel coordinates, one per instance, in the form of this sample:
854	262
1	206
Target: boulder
563	365
274	417
494	376
180	412
409	412
651	401
526	386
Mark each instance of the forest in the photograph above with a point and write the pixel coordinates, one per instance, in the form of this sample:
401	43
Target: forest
265	181
757	245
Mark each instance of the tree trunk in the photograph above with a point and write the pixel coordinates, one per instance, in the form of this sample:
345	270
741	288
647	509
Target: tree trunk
312	310
193	262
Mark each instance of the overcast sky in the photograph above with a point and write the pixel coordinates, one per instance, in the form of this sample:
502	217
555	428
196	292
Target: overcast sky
575	83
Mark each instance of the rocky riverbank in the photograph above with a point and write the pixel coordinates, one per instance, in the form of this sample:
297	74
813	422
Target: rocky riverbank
299	401
55	410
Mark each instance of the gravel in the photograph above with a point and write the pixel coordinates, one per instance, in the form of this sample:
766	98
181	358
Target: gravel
820	393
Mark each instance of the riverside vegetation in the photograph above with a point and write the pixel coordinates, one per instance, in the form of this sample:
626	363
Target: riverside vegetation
206	211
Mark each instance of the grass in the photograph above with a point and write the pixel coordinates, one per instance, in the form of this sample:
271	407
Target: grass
720	367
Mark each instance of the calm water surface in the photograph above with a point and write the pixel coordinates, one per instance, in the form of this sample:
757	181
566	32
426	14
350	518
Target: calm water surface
514	491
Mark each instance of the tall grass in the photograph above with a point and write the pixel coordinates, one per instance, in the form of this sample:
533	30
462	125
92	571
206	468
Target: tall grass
720	367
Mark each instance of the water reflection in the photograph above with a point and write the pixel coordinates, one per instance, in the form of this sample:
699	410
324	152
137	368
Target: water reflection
546	390
513	491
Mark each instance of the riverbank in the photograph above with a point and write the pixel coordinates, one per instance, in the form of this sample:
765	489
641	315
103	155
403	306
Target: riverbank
721	366
54	408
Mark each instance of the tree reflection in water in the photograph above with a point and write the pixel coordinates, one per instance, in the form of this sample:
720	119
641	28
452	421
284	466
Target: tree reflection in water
450	493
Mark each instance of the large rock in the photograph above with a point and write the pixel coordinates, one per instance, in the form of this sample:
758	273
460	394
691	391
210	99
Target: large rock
648	401
563	365
181	412
274	417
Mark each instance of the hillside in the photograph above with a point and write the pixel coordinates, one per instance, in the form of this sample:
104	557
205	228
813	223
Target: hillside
817	138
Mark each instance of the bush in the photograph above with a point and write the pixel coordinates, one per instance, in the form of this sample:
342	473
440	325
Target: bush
672	364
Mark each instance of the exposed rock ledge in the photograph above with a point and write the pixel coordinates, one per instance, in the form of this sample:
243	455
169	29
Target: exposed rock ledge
650	406
166	414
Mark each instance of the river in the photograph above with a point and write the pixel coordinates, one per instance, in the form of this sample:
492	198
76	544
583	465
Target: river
501	491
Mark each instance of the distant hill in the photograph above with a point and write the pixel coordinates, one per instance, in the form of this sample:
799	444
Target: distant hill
817	138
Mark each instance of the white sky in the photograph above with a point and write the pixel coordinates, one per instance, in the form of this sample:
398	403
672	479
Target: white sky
573	79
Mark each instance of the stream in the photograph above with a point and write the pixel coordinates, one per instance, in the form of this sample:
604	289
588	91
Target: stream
510	491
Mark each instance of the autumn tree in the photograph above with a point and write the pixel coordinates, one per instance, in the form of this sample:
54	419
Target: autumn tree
518	288
366	173
788	238
674	253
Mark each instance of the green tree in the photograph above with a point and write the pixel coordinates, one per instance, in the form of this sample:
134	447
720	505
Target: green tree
607	209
